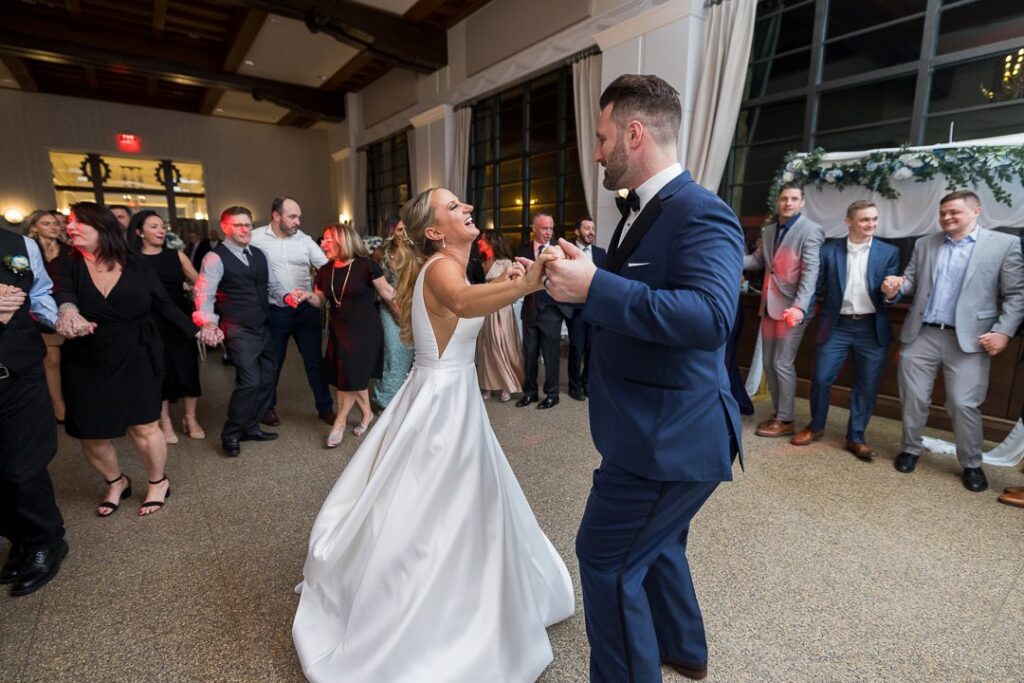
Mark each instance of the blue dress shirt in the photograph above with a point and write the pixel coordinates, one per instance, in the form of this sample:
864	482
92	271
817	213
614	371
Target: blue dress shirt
41	303
783	228
949	277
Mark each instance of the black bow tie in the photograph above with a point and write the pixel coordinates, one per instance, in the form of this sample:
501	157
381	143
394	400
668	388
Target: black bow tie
631	202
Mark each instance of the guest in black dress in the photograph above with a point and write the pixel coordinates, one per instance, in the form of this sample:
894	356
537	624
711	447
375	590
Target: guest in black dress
48	231
349	284
147	234
113	360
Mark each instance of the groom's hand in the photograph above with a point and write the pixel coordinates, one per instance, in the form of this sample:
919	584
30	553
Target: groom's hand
535	271
568	280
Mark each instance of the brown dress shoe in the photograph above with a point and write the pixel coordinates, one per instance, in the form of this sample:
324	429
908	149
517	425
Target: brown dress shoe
861	450
774	427
1014	499
271	419
693	674
1014	489
806	436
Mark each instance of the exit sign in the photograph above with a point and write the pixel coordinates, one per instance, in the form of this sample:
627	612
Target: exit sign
129	142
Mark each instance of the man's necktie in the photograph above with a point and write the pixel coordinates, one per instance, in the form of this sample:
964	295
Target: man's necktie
248	256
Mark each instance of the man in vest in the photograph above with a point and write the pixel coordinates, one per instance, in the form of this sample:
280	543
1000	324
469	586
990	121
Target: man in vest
234	275
29	517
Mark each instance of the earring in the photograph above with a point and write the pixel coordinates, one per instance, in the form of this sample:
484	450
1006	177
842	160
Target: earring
444	245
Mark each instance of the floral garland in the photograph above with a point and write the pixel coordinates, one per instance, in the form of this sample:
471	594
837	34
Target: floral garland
879	170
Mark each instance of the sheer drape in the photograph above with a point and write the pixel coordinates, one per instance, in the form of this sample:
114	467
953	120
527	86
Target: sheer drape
728	32
586	88
359	217
410	143
460	153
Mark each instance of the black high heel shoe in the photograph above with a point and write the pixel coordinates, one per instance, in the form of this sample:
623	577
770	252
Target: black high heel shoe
107	505
157	503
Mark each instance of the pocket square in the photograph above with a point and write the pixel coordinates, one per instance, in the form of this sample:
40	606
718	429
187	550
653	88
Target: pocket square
641	263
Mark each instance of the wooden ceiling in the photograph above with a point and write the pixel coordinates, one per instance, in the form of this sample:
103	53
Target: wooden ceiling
186	55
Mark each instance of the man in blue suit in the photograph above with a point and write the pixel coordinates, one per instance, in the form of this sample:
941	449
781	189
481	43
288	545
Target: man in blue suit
854	317
661	412
579	331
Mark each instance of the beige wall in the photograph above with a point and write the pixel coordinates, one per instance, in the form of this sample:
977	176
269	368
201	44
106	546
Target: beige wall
393	92
520	24
244	163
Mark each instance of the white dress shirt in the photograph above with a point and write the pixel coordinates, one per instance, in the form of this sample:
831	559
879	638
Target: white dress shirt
647	191
587	249
291	261
856	300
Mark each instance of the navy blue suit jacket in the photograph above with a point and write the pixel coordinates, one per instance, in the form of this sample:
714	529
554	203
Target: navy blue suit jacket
883	260
662	309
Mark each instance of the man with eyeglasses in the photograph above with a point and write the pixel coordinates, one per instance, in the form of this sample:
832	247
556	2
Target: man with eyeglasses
235	277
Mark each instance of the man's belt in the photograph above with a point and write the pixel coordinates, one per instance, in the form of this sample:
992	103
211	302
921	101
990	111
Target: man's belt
941	326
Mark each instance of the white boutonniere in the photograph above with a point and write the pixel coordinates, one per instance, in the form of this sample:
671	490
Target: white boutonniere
17	264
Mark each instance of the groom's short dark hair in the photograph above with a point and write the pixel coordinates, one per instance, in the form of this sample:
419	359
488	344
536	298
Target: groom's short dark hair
647	99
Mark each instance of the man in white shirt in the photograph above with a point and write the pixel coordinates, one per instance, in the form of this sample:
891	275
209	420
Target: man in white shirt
579	331
854	318
293	256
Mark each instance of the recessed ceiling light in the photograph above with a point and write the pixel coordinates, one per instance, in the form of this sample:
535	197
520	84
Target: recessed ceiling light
218	110
322	77
193	36
275	20
249	62
8	80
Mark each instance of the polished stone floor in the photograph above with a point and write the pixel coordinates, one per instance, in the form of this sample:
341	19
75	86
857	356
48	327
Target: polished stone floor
811	566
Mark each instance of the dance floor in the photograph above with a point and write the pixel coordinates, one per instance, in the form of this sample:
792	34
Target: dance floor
811	566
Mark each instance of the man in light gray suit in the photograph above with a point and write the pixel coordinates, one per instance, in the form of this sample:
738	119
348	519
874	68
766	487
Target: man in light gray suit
788	254
969	301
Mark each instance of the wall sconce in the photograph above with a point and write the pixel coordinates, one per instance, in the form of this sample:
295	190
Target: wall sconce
13	216
343	217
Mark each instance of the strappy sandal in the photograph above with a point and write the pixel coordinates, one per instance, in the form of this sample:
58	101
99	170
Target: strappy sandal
361	428
334	438
125	493
156	503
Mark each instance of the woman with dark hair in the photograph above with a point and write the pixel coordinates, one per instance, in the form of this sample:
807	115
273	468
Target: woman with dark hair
499	349
349	284
399	255
47	230
147	234
113	361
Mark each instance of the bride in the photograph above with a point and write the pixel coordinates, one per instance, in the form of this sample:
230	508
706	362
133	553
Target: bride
426	563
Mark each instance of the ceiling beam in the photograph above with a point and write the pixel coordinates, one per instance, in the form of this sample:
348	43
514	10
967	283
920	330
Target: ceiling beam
412	45
74	7
90	78
309	101
21	74
245	28
151	87
159	16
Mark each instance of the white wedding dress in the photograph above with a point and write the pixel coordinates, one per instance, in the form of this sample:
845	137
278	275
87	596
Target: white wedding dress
426	563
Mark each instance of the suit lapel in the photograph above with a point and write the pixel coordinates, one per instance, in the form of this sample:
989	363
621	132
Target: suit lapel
874	255
972	264
842	256
636	232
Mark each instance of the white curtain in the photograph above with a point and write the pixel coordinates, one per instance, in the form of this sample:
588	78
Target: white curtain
586	89
728	33
359	216
460	153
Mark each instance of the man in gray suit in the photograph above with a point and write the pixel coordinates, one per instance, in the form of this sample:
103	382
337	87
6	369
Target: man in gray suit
969	301
788	254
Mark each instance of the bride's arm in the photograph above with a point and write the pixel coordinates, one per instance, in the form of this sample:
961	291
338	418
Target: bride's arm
446	288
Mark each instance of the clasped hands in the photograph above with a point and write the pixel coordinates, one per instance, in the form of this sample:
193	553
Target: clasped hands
562	270
891	286
210	334
11	299
71	323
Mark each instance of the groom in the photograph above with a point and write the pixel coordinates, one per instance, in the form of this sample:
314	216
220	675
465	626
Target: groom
661	412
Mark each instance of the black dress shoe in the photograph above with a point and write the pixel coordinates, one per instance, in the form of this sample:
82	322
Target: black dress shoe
974	479
905	462
548	402
271	419
526	400
578	394
231	447
38	568
258	435
327	417
226	359
12	566
696	672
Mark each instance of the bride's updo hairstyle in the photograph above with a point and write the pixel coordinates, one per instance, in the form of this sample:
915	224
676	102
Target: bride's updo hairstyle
418	215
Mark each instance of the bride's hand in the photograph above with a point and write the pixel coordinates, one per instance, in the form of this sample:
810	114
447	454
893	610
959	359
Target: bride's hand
533	279
514	272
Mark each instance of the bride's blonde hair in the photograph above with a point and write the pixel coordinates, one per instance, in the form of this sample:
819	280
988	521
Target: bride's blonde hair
418	215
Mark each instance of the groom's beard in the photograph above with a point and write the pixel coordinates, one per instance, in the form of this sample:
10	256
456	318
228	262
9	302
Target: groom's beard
615	166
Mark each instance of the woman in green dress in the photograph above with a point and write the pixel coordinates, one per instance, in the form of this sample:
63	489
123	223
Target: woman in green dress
399	253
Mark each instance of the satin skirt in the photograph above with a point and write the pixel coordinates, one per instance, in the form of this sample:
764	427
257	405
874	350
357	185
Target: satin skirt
426	562
499	353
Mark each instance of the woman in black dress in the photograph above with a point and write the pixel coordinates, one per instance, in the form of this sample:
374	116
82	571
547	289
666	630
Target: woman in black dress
47	230
147	234
113	360
349	284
